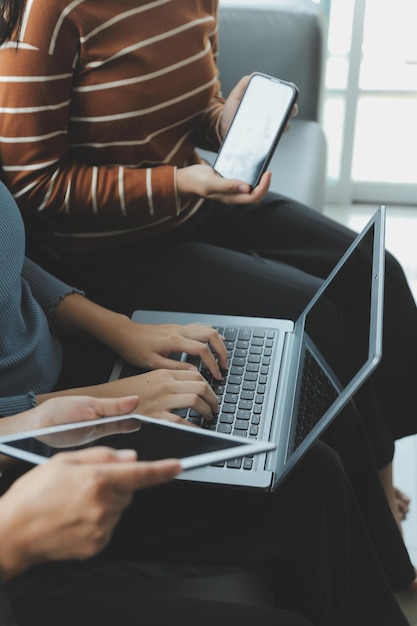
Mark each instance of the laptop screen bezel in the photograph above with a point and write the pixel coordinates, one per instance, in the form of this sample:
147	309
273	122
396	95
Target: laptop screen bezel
286	459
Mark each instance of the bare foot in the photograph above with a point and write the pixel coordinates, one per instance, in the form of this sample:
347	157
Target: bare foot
402	503
413	586
397	501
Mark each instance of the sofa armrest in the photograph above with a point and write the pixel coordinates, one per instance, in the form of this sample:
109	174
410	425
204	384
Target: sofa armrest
285	40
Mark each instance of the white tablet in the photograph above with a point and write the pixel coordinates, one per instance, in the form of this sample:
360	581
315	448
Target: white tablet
151	438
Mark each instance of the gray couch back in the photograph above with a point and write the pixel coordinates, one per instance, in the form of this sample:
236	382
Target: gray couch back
286	41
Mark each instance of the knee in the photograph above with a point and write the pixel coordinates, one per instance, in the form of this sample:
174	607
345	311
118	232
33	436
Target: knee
320	469
393	269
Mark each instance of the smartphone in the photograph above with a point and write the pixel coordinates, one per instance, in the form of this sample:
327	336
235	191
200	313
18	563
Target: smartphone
256	128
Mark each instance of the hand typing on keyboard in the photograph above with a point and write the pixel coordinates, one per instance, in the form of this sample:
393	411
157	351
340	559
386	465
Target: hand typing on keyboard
241	389
163	392
150	346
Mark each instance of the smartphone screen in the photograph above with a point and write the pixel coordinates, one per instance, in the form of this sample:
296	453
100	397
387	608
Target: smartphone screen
258	123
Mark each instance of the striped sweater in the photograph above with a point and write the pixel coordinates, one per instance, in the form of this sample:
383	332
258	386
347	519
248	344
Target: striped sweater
99	104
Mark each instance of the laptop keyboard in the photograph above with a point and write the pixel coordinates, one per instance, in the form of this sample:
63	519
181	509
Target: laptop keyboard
241	391
317	394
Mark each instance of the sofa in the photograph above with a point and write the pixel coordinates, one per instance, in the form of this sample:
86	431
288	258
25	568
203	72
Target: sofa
285	39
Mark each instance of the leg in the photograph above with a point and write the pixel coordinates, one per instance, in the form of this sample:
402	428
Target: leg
349	438
303	238
291	233
309	534
112	598
397	500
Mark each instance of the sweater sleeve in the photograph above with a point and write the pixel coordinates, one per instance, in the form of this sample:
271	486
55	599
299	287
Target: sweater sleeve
40	164
17	404
46	289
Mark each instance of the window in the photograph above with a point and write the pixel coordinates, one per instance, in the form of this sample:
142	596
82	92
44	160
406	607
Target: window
370	102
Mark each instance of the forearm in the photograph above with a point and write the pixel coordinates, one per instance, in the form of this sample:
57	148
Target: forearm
109	389
77	315
18	423
120	194
13	551
14	424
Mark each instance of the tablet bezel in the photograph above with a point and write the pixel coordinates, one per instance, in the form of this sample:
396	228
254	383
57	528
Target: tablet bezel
244	447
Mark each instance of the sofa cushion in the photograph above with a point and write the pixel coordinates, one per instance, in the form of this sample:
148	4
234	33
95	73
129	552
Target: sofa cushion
286	41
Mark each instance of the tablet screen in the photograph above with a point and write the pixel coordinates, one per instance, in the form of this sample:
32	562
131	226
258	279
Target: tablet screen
152	440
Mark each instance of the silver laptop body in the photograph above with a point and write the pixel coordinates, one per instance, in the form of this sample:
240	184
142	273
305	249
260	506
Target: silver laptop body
280	412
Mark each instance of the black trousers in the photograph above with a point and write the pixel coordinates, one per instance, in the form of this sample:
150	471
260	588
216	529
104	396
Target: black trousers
309	537
262	260
110	604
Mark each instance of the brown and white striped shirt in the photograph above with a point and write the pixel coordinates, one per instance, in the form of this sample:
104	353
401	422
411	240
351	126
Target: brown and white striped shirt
99	104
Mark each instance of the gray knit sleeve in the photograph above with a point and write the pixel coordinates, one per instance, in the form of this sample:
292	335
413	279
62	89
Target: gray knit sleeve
17	404
46	289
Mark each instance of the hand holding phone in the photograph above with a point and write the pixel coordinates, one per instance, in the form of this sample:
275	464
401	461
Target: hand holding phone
256	128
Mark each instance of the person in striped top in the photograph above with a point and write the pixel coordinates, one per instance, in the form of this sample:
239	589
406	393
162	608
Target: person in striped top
117	96
102	107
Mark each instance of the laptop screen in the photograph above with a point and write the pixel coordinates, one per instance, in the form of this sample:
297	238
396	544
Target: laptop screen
343	338
338	347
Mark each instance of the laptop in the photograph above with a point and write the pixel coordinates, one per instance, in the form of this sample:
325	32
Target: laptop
153	439
284	384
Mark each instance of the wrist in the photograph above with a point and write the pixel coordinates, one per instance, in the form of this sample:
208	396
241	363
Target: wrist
182	182
14	424
104	325
14	557
118	332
